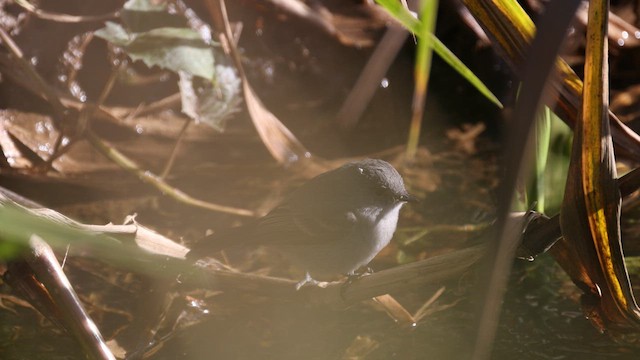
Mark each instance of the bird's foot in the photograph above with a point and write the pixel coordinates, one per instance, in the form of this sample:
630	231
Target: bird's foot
352	277
367	271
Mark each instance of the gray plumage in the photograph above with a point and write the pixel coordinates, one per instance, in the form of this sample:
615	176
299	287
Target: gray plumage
333	224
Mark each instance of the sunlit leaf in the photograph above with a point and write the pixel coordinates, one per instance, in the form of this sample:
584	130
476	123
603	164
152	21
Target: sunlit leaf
143	15
278	139
512	30
211	102
152	34
175	49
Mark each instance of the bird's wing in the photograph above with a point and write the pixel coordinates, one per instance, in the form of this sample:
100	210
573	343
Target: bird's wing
226	238
286	226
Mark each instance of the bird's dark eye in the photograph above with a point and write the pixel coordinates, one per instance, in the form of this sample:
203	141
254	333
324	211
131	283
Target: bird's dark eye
407	198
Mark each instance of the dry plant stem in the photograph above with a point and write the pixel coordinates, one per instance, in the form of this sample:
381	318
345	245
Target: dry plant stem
413	275
370	77
43	88
35	159
617	26
86	113
174	151
20	277
131	232
423	311
165	103
472	23
64	18
277	138
58	151
101	112
152	179
48	93
302	11
428	230
72	75
395	310
71	312
4	163
108	86
398	279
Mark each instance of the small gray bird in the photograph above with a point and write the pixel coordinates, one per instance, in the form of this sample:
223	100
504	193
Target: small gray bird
333	224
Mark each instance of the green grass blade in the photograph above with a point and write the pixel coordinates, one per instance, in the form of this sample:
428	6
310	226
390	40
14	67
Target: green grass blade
424	55
409	21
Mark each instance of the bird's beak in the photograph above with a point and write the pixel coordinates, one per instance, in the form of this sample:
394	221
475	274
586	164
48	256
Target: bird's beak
409	198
